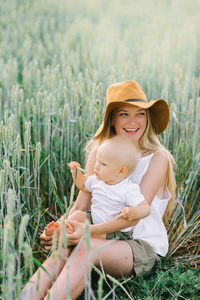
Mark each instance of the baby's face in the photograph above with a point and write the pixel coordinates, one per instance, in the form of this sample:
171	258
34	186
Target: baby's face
106	167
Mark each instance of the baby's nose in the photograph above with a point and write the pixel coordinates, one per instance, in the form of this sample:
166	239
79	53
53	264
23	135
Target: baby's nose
96	166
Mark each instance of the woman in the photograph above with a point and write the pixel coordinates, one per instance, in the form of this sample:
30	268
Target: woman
127	113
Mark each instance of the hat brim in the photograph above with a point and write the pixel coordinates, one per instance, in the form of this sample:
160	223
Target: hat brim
159	109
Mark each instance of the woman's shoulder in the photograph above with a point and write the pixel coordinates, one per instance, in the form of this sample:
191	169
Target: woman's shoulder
154	160
158	153
159	159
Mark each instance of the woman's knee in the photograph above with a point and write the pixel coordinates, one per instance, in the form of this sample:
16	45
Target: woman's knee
59	256
85	250
94	250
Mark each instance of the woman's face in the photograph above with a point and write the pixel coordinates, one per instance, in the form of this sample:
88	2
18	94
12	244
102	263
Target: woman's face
130	121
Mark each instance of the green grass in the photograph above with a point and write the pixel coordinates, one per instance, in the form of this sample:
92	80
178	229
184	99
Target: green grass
169	281
57	59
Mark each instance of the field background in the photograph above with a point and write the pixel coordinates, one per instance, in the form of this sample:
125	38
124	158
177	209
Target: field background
57	59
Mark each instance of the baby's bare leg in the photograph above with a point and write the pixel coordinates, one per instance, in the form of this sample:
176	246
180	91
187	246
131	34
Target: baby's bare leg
78	215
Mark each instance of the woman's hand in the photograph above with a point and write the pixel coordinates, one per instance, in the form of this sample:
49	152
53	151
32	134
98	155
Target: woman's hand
47	235
74	238
46	241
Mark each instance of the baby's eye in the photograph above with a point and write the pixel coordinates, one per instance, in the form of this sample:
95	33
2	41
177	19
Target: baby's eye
103	164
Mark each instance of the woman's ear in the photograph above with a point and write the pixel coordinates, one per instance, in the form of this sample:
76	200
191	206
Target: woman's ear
122	171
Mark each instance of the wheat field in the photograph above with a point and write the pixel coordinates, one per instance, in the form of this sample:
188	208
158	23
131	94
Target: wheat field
57	59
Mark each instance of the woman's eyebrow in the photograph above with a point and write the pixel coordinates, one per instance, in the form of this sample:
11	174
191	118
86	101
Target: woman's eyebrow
124	110
121	110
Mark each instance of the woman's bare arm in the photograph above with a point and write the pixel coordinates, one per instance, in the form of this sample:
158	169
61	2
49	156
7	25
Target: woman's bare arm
153	183
154	180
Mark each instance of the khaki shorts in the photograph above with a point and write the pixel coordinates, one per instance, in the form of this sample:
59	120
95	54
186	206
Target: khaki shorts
117	235
145	258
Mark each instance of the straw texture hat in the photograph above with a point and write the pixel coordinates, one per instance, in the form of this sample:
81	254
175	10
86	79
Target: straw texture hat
130	93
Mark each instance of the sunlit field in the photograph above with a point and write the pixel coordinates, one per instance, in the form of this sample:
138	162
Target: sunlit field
57	58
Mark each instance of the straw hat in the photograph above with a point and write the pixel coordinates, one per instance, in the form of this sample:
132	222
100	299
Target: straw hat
130	93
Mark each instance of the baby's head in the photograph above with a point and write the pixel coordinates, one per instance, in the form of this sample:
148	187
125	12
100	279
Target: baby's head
116	159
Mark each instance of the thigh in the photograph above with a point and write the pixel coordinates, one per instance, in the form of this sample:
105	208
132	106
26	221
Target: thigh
116	257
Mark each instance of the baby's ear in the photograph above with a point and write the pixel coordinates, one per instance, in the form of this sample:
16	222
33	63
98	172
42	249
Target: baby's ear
122	172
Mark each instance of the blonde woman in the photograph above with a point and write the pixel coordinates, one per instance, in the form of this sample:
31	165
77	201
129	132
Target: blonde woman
127	113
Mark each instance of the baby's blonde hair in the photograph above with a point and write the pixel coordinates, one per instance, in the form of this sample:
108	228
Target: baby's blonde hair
124	151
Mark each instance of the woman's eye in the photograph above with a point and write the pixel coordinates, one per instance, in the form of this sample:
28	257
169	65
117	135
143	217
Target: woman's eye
123	114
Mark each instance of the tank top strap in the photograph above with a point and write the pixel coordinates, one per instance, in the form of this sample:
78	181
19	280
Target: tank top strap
141	168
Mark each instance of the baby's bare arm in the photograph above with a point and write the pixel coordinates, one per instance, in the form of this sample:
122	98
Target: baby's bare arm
141	211
80	178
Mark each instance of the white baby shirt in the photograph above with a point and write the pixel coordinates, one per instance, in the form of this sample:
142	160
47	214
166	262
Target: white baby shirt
109	200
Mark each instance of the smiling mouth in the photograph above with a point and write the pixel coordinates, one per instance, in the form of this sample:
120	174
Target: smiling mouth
131	130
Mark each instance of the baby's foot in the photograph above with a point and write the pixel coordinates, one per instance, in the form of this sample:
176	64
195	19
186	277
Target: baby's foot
51	227
69	228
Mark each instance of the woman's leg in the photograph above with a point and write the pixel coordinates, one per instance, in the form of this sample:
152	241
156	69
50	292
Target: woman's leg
41	281
116	258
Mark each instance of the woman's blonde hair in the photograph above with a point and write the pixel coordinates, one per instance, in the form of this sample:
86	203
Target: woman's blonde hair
149	141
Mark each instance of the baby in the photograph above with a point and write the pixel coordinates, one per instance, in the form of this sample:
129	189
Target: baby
113	194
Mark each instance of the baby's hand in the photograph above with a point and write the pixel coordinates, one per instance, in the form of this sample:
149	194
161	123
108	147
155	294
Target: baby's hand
73	165
126	214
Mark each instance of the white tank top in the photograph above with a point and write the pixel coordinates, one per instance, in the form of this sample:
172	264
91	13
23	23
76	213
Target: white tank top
152	229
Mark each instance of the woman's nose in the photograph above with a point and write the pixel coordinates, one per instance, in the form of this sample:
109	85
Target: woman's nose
132	120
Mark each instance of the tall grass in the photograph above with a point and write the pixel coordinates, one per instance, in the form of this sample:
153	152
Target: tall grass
57	59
